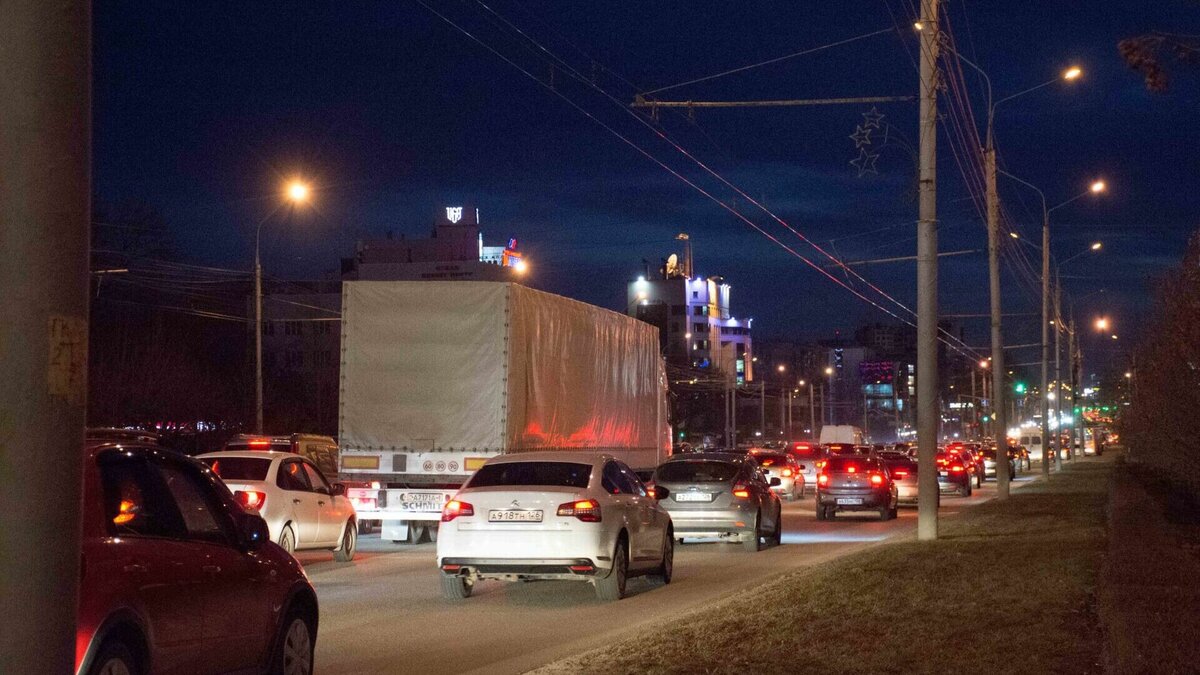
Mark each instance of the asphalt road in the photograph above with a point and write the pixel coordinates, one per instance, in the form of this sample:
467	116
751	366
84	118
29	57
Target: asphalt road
383	612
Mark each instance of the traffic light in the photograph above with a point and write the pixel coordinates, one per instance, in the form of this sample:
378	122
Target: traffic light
986	418
1019	387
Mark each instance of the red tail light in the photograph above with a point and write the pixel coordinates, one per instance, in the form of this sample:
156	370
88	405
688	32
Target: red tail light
957	468
741	491
786	473
823	479
821	463
899	473
455	508
259	444
876	479
250	499
586	510
650	491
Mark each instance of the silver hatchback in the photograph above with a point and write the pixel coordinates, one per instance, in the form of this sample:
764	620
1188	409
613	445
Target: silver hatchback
722	495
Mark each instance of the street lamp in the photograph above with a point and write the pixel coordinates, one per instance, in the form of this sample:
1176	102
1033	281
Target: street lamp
1102	324
781	368
1096	247
829	370
297	192
993	224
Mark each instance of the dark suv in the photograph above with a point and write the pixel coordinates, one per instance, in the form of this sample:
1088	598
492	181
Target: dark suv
855	483
718	494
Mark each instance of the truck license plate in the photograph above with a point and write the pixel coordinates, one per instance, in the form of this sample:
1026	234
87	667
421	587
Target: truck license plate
849	500
514	516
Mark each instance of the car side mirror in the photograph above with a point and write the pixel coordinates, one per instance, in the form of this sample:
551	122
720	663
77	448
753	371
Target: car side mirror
339	490
776	481
660	492
253	530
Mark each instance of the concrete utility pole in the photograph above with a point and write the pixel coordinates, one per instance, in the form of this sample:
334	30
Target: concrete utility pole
812	410
1045	344
45	211
927	275
1058	390
1076	423
1000	420
762	408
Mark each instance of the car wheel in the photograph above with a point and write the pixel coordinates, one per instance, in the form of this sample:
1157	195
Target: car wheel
345	551
894	512
364	527
294	647
750	543
820	512
457	587
611	588
777	536
114	658
287	539
667	568
884	512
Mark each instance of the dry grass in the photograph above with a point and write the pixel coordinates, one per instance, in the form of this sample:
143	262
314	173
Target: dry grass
1007	588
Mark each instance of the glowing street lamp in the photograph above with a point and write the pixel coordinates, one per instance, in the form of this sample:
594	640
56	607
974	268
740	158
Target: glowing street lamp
828	370
521	267
1102	324
1072	73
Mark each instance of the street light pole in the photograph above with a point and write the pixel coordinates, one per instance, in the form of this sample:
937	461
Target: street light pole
1058	390
927	272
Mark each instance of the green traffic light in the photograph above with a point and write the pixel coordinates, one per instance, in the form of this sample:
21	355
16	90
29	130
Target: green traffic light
1019	387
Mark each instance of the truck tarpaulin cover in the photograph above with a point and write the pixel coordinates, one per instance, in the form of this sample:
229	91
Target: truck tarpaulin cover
494	366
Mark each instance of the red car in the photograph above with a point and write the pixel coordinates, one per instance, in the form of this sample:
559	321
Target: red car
176	578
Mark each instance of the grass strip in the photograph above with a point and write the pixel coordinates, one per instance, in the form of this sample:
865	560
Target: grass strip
1007	587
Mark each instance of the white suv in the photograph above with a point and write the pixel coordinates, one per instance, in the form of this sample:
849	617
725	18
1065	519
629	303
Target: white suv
554	515
302	510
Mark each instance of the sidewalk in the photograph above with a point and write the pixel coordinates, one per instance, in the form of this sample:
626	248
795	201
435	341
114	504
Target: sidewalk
1150	586
1008	587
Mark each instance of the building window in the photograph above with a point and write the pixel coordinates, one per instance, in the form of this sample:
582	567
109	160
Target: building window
698	310
699	328
695	294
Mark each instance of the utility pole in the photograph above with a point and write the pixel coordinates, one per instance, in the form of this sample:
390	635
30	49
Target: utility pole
1076	424
762	408
812	417
785	397
1046	344
974	405
1058	390
927	273
45	161
999	419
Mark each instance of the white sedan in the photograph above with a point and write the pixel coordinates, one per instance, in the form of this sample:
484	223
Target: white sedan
554	515
302	510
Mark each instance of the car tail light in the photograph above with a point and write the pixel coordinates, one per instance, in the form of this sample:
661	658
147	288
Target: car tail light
876	479
586	510
741	491
821	463
786	473
259	444
454	509
899	473
851	469
650	490
823	479
957	468
251	499
364	503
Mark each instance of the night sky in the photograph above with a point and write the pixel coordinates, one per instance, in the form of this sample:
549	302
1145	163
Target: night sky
204	109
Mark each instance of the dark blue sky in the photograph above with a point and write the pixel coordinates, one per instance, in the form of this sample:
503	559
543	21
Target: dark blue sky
202	109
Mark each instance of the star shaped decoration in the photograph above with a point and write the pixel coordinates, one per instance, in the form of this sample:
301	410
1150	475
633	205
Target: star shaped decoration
865	163
871	119
861	136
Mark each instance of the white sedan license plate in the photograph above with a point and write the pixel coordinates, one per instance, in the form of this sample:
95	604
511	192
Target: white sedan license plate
693	497
849	500
514	516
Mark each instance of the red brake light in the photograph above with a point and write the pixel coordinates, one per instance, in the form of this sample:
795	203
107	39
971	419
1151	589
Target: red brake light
821	463
250	499
259	443
741	491
455	508
876	479
851	469
957	468
899	473
586	510
822	479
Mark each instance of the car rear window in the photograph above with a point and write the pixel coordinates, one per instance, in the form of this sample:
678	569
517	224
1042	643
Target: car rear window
805	451
546	474
770	458
843	464
696	471
906	464
239	468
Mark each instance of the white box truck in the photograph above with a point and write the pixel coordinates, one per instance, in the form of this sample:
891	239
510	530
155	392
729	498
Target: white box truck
439	376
